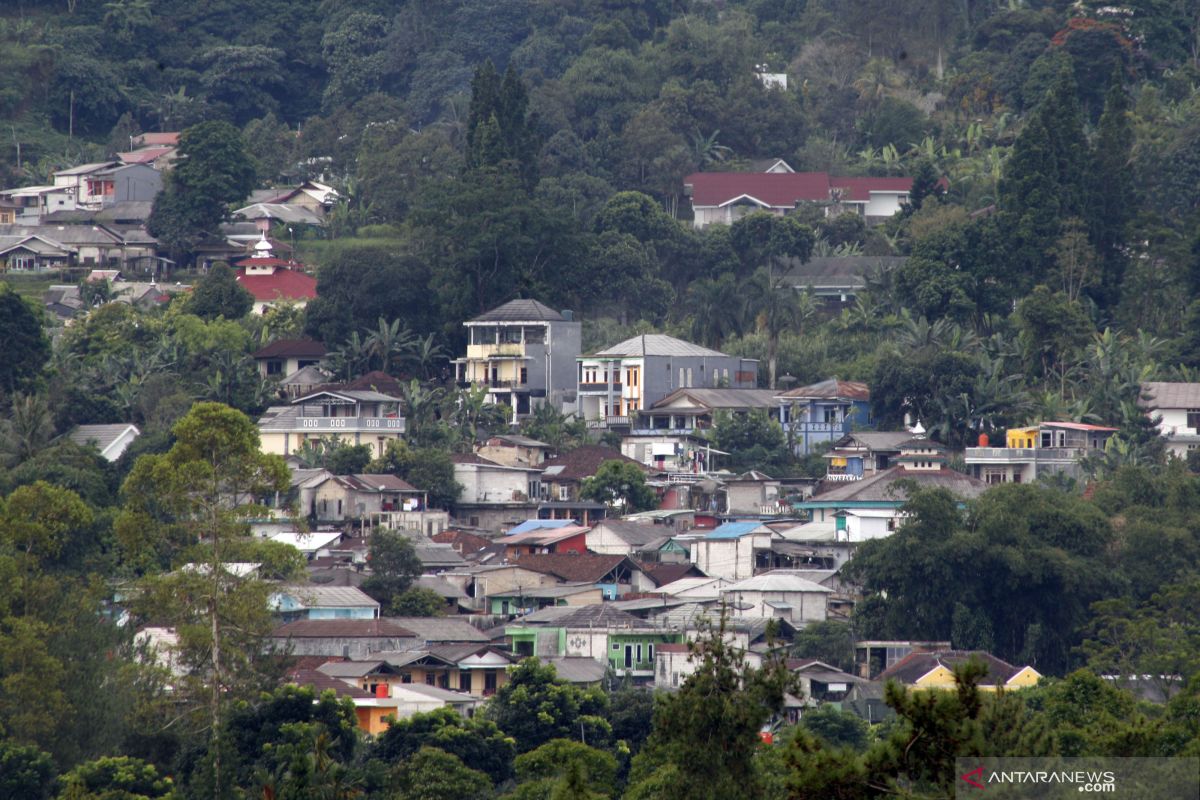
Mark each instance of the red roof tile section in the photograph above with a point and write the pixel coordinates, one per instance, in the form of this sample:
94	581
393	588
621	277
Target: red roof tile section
582	462
784	190
282	284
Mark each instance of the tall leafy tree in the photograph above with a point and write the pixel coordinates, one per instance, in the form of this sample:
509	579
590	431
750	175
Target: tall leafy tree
193	502
212	172
218	294
26	347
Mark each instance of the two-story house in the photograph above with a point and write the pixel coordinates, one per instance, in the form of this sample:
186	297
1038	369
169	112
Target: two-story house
354	416
495	496
1176	407
617	639
824	412
619	382
563	477
1046	449
283	357
862	454
778	594
524	354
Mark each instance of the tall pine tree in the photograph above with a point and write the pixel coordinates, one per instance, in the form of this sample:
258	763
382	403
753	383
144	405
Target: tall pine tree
1112	197
500	133
1029	201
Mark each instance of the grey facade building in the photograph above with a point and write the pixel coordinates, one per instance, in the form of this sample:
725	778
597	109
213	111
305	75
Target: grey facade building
620	381
524	353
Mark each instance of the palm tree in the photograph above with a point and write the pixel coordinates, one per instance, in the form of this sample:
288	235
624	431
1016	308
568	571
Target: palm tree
352	358
776	306
714	317
424	354
707	151
421	406
387	342
27	430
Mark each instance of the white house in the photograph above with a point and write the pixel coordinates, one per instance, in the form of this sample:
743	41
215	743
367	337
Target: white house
778	594
1176	406
110	440
495	496
730	550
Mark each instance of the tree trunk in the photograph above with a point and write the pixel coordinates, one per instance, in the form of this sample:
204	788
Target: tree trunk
772	352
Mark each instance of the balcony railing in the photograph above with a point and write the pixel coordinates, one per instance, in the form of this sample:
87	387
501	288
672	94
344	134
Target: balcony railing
502	350
842	476
348	424
609	422
1011	455
599	387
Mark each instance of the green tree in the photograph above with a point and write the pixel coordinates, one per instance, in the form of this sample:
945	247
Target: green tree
753	441
416	601
428	469
199	496
561	763
212	172
498	128
619	483
218	294
115	778
836	728
829	641
536	706
1112	199
706	734
26	345
433	774
25	771
475	741
394	565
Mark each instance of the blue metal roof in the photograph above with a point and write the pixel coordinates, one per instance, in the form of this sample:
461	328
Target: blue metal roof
541	525
733	530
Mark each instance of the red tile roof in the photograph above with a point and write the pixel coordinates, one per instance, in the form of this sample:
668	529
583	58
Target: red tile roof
283	284
860	188
775	189
784	190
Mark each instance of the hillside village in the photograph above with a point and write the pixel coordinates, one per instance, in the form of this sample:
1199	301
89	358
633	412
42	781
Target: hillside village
521	401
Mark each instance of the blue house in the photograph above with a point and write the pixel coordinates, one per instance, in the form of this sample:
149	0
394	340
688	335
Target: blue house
824	412
291	603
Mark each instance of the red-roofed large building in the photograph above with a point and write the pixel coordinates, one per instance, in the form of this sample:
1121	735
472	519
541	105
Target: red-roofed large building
726	197
273	280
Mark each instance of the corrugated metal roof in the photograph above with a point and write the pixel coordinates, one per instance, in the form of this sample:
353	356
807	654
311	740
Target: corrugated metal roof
308	596
541	525
1160	394
733	530
658	344
440	629
831	389
574	669
708	399
776	581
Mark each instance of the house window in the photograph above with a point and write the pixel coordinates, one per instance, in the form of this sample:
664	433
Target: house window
274	367
616	646
1193	418
464	681
564	493
406	677
489	682
689	376
524	375
430	679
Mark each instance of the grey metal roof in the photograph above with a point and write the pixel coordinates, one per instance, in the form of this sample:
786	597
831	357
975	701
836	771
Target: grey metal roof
520	311
658	344
309	596
354	669
632	533
102	435
838	272
281	212
441	629
723	398
881	487
1160	394
576	669
876	440
776	581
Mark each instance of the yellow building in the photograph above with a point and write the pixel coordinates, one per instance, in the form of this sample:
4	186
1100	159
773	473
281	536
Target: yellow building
936	671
